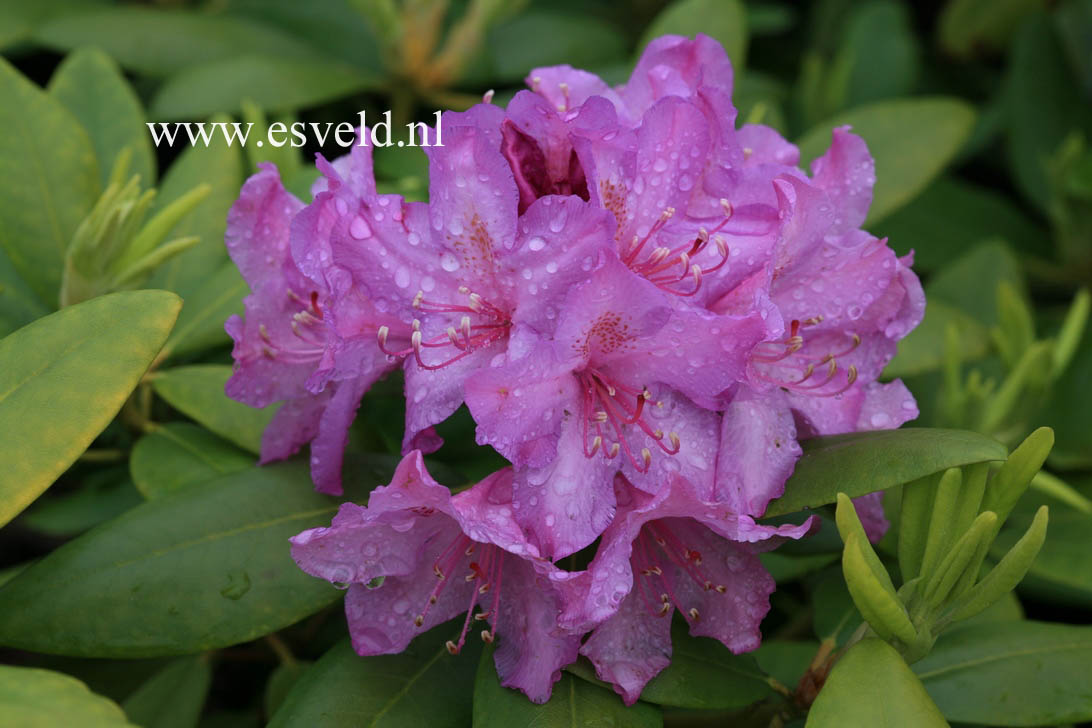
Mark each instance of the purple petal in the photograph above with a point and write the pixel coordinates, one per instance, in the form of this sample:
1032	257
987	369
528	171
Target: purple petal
328	447
846	173
758	450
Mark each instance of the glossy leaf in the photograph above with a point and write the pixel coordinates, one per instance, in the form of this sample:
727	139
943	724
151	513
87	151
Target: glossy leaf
864	462
91	86
49	180
724	20
387	691
180	454
173	697
64	377
871	685
221	166
1069	411
575	703
198	392
19	305
271	82
105	494
159	42
1011	673
206	567
879	55
34	698
968	27
970	283
911	139
1062	571
923	349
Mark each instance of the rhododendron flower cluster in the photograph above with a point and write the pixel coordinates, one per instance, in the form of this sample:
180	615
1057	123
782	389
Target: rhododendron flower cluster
644	309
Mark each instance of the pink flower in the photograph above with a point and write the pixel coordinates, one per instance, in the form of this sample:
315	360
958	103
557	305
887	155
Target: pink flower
621	386
671	551
286	335
418	556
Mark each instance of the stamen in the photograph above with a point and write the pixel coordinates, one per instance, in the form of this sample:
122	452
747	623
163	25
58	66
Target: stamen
487	97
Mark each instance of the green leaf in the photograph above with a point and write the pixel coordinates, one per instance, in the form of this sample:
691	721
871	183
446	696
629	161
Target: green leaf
836	616
1062	572
90	85
160	42
871	685
424	685
280	683
19	305
515	46
724	20
173	697
33	698
878	58
1042	106
273	83
911	139
784	660
221	166
179	454
864	462
203	568
64	377
950	216
575	703
48	181
105	494
923	348
1011	673
969	27
970	283
703	674
1069	411
201	324
331	25
198	392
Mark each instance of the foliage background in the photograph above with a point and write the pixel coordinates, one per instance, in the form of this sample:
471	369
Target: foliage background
978	113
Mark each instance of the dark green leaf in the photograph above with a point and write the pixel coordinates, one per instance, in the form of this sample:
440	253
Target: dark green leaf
950	216
179	454
575	703
19	305
1062	572
203	568
724	20
968	27
64	377
105	494
923	349
786	661
90	85
1011	673
33	698
879	54
159	42
1069	411
836	616
864	462
1042	106
424	685
970	283
911	139
281	681
173	697
198	392
872	686
515	46
48	181
273	83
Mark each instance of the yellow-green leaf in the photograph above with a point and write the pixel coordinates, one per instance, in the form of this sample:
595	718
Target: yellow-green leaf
64	377
34	698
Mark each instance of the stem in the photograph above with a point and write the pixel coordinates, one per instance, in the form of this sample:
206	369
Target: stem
284	654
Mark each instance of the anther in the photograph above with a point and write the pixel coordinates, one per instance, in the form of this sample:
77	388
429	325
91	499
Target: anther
613	450
419	620
646	456
264	333
418	298
694	614
596	443
674	437
722	247
721	589
601	416
487	637
727	207
487	97
452	647
437	571
481	616
382	334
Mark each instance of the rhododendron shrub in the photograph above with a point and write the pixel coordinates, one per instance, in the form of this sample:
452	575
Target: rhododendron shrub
644	309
